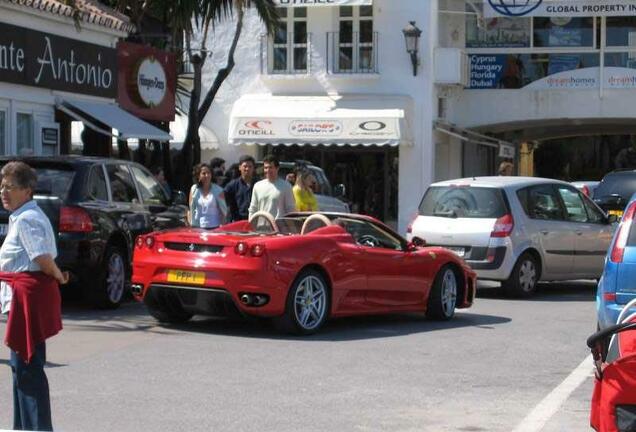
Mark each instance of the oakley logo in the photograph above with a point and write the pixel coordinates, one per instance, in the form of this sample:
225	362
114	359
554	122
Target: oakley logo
372	126
514	8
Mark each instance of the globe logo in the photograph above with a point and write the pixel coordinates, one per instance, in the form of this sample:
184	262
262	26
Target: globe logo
514	8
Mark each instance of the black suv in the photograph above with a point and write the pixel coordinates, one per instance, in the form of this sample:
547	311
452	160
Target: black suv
97	207
615	190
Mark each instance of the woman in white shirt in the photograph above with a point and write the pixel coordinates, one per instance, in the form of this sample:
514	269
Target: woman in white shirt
207	202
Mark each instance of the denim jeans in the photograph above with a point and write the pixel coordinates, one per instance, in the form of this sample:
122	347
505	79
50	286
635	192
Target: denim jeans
31	402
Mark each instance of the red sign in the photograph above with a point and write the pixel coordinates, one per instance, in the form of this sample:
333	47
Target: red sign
147	80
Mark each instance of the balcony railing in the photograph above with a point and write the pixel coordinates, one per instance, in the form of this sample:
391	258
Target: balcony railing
290	55
352	53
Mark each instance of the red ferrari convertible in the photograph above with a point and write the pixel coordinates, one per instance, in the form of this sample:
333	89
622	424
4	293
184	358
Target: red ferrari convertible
299	270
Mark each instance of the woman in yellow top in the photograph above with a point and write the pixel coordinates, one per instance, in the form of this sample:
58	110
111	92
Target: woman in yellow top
303	194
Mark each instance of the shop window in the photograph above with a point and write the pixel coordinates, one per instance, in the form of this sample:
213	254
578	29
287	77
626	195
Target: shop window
355	39
514	71
563	32
498	32
621	31
3	132
24	134
290	42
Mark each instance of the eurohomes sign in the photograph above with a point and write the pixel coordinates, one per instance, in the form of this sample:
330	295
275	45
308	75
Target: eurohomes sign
33	58
558	8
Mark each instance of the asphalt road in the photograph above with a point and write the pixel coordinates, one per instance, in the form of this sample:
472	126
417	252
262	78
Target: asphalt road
489	369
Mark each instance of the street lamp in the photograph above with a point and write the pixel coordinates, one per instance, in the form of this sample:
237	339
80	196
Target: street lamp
412	38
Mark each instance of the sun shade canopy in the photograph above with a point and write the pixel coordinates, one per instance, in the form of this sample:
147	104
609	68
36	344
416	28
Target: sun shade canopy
111	115
320	120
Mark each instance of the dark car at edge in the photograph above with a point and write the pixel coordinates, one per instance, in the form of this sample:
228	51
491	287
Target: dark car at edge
97	207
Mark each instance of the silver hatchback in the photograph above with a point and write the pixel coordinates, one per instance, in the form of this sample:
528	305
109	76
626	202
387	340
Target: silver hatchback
517	230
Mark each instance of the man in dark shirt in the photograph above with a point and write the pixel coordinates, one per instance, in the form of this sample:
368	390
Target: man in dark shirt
626	158
238	192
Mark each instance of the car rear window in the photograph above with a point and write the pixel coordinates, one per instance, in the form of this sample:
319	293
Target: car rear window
54	182
623	184
463	202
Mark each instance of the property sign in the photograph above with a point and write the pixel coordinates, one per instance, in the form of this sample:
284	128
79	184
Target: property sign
558	8
38	59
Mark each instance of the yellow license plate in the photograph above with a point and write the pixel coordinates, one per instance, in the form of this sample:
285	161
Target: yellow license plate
618	213
185	276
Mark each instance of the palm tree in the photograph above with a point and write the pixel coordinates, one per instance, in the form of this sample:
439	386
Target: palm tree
211	12
187	18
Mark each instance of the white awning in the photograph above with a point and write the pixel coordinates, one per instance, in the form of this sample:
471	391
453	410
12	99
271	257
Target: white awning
179	127
559	8
128	126
317	3
320	120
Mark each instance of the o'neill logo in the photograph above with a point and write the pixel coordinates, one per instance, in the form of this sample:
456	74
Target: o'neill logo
256	128
514	8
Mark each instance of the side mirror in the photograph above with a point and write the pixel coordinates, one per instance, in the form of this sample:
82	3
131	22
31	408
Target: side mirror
411	247
179	198
339	191
418	242
612	219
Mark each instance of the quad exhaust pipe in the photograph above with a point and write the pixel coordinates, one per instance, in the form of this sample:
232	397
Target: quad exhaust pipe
136	289
255	300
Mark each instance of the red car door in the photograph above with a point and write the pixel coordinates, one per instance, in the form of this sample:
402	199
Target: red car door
392	272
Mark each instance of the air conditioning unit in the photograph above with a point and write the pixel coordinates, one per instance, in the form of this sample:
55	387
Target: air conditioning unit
451	67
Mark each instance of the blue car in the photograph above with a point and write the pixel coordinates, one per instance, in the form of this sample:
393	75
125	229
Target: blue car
617	285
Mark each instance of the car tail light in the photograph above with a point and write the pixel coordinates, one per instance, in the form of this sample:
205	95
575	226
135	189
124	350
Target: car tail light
609	297
241	248
149	242
503	226
257	250
75	219
145	241
618	250
586	190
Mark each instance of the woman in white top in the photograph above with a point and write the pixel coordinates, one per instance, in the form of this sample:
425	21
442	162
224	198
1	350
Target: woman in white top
207	202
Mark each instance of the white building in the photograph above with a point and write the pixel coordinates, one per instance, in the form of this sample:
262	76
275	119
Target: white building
336	86
54	70
495	78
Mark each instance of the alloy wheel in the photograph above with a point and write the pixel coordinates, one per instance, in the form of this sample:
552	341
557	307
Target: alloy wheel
116	278
310	302
449	292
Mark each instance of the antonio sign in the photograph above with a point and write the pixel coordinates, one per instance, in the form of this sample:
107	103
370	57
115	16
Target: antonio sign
147	81
39	59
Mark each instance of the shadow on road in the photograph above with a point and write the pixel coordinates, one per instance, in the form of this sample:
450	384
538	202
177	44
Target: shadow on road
133	317
344	329
574	291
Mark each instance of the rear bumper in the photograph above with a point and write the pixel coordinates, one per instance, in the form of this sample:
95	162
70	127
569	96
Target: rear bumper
223	283
79	255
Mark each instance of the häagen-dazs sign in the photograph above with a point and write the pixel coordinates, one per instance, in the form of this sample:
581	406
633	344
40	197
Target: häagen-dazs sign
39	59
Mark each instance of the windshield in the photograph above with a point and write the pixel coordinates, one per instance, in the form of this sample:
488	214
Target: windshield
463	202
